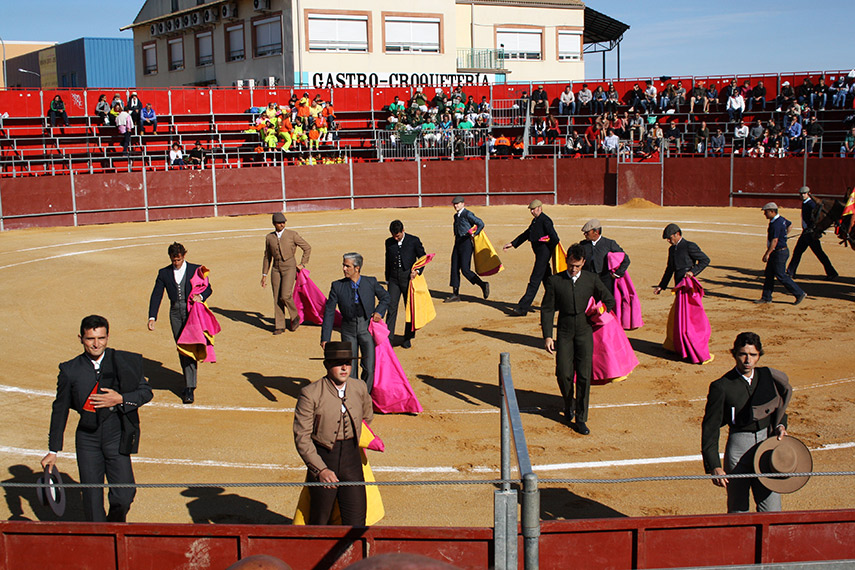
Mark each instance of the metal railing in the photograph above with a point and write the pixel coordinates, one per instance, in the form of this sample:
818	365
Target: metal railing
480	58
436	143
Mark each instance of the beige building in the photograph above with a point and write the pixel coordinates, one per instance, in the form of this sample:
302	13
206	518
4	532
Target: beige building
331	43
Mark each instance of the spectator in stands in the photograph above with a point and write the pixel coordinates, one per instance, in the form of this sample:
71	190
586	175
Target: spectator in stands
553	130
395	106
429	132
583	99
735	106
57	111
148	117
134	107
538	131
745	89
611	143
439	101
729	90
779	150
539	102
680	96
471	109
573	145
115	111
668	94
636	127
618	125
848	147
458	109
702	136
774	128
303	112
805	93
673	138
650	93
457	93
102	109
567	102
794	135
593	136
839	91
785	98
757	100
699	95
176	156
819	97
712	97
502	145
117	99
636	99
484	109
756	149
198	156
285	130
612	99
813	133
598	102
756	132
125	126
329	114
322	126
717	143
740	137
653	141
315	110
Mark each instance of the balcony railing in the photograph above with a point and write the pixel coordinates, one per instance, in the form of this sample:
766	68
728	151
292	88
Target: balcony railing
480	58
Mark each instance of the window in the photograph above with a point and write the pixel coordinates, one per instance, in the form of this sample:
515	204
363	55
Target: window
569	45
519	43
149	52
409	34
268	36
234	43
204	49
176	54
338	32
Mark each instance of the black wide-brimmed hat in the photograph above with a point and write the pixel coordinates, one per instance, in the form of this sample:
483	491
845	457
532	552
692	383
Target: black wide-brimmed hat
50	491
784	456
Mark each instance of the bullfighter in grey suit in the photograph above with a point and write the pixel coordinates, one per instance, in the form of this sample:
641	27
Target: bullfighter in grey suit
597	249
354	297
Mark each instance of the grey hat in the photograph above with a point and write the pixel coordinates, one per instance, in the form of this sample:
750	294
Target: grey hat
279	218
593	224
770	206
535	204
458	200
804	190
670	230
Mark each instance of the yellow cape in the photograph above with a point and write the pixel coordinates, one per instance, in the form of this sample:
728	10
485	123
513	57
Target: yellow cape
487	261
419	304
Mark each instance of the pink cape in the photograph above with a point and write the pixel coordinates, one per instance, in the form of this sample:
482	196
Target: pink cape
614	358
392	393
310	300
691	325
197	336
627	303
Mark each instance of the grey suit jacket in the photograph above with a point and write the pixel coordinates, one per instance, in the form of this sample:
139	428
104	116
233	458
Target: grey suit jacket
341	297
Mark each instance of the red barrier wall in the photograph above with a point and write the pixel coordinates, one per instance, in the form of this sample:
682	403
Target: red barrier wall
180	194
110	191
586	181
521	176
262	186
452	178
696	182
372	179
43	195
324	181
639	180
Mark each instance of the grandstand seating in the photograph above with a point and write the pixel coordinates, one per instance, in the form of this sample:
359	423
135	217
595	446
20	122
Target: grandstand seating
219	118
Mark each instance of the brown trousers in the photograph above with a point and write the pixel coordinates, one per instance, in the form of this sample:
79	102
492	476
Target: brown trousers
282	282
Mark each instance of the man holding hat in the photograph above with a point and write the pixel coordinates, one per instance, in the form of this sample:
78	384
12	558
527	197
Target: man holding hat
280	245
776	255
461	253
597	249
752	401
327	425
543	238
808	239
685	258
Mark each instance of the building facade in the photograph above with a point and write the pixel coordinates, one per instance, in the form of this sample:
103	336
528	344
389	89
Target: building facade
84	62
328	43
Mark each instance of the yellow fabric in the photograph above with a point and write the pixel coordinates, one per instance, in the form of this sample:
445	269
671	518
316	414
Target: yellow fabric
487	261
419	304
669	328
374	511
559	259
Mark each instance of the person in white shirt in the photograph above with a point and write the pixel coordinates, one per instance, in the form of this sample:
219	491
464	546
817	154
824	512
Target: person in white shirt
567	102
125	125
611	143
735	106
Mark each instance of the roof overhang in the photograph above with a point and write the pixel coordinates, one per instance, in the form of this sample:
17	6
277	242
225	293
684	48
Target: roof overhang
602	33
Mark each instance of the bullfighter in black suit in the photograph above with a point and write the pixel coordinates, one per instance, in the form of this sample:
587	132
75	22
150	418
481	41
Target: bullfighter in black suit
466	225
402	251
597	249
175	279
543	238
354	297
106	387
684	258
568	293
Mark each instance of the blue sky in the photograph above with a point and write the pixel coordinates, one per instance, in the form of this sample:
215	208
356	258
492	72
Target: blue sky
707	37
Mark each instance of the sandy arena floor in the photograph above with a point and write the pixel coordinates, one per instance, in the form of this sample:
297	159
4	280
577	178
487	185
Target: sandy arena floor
239	430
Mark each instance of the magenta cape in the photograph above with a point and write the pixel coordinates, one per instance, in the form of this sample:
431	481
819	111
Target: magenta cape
614	358
691	325
627	303
197	337
310	300
392	393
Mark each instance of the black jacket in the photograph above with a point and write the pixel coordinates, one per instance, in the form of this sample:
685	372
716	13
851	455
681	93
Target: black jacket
684	257
540	227
410	250
165	280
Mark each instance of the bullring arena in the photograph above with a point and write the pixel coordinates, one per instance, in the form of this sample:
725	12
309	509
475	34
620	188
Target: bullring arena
239	429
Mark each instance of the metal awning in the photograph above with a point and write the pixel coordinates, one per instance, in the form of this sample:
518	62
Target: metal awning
602	33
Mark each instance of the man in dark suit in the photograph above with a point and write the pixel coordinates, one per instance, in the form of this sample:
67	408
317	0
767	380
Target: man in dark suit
402	251
543	238
752	401
597	249
685	258
568	293
106	387
808	239
461	253
354	297
175	280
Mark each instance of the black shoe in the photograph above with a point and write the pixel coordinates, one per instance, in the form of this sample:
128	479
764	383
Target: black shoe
569	415
800	298
452	299
187	396
486	289
406	343
581	428
761	301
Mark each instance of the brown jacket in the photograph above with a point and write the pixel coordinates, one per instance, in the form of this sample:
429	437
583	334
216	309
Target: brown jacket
318	417
281	251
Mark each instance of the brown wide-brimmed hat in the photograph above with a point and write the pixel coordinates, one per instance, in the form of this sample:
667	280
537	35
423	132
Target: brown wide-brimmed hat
787	455
336	350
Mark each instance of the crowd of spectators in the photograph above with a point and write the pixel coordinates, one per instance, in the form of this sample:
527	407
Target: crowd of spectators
302	124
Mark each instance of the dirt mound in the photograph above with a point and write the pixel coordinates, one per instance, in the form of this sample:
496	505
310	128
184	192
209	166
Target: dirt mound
640	203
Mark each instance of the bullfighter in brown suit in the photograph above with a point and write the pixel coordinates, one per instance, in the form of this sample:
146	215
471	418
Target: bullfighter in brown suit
279	248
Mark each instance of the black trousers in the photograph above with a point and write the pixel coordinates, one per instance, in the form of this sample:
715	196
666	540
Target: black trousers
399	285
539	274
574	357
345	462
98	455
461	262
806	241
177	319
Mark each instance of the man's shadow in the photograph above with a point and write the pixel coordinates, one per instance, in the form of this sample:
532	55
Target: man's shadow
561	504
498	305
252	318
287	385
211	505
509	337
15	497
162	378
